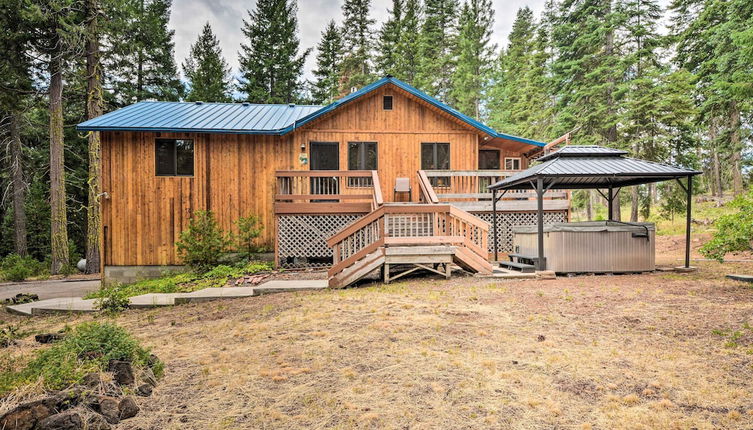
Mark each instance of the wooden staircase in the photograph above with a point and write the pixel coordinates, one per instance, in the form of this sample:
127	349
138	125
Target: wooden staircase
422	236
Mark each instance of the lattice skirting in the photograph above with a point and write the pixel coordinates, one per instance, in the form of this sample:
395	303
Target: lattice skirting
507	220
302	239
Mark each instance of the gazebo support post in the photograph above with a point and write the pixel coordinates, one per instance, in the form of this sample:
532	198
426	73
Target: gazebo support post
689	192
494	224
610	203
540	263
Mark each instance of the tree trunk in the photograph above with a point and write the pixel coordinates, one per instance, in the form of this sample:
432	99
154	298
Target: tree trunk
634	203
716	167
589	205
737	172
94	109
58	217
17	179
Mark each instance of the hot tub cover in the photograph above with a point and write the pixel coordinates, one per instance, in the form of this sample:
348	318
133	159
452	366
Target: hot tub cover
588	226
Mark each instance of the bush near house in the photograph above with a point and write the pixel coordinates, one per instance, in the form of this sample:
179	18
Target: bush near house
204	243
16	268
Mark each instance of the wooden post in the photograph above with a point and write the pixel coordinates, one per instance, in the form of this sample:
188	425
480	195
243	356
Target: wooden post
689	192
494	224
540	264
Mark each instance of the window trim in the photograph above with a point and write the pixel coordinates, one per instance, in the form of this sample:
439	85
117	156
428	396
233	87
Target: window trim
520	163
384	102
175	159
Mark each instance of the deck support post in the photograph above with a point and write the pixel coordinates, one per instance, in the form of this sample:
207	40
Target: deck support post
689	192
540	263
494	224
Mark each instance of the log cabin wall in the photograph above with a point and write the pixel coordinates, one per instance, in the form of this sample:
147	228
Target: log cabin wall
145	213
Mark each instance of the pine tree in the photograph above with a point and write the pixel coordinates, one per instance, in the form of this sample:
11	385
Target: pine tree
139	59
474	56
328	62
357	43
94	108
436	47
206	70
270	66
387	57
409	43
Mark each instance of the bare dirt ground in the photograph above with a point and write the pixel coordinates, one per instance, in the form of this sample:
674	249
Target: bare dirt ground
662	350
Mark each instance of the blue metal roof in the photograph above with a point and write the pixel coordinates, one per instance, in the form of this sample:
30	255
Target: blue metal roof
245	118
200	117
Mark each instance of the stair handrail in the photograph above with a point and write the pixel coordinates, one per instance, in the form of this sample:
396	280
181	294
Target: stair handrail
427	190
377	198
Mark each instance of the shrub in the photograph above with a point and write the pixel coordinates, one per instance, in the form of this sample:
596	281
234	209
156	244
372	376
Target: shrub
16	268
249	228
204	243
734	232
89	348
112	299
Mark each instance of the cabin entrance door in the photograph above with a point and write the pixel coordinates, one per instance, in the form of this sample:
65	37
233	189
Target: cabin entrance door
324	156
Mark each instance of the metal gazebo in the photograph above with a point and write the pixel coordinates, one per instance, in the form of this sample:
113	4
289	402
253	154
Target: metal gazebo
589	167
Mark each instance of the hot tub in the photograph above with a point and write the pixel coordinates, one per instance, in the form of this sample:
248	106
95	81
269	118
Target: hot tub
591	247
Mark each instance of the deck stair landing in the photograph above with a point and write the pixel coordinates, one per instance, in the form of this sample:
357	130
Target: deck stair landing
428	237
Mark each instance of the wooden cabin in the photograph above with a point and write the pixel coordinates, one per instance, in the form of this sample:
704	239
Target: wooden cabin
308	172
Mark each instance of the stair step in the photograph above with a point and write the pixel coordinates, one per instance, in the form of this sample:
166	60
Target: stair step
524	268
358	270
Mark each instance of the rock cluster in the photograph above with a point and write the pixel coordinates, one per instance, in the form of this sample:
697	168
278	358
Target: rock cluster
95	404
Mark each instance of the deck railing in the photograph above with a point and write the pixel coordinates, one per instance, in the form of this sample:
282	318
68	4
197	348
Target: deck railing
407	225
327	191
470	185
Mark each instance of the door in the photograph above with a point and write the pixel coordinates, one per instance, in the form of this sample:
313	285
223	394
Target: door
324	156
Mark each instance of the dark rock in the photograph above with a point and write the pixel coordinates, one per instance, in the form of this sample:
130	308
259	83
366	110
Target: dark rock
128	408
49	337
152	361
91	380
69	420
97	422
540	338
148	377
144	390
26	415
122	371
106	406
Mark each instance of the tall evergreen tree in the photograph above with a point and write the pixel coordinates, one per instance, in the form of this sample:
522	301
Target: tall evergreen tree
387	56
270	65
437	47
357	44
206	70
139	60
94	108
474	56
328	63
409	42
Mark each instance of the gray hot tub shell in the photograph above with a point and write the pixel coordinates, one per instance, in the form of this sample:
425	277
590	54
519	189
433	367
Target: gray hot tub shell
591	247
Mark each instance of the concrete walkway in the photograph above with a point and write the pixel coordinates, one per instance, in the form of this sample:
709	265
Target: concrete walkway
152	300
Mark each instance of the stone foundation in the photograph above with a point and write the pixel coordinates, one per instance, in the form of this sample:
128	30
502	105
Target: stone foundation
130	274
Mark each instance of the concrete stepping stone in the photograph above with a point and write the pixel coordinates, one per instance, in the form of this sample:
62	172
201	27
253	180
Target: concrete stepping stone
742	278
283	286
153	300
62	304
208	294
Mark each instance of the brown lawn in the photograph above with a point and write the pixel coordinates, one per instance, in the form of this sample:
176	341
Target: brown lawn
661	350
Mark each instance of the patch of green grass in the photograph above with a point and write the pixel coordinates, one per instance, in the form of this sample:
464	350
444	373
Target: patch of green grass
88	348
182	282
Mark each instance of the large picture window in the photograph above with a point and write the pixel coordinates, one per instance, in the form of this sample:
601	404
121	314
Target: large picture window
436	156
488	159
361	156
174	157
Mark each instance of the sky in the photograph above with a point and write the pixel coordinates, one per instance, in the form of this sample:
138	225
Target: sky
226	18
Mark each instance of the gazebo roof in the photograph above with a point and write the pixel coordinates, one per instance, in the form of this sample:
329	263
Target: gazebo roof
582	167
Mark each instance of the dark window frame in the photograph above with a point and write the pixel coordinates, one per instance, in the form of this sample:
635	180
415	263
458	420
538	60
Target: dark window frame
385	104
174	171
362	160
496	151
437	181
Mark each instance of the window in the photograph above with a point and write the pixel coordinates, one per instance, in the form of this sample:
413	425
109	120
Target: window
361	156
436	156
512	163
174	157
488	159
387	102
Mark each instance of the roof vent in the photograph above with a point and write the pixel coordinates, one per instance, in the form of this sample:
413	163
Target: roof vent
291	104
353	89
246	104
199	103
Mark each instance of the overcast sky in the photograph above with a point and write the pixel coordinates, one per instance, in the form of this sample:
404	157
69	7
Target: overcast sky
226	18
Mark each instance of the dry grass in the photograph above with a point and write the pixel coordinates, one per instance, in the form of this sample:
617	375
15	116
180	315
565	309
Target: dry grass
598	352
